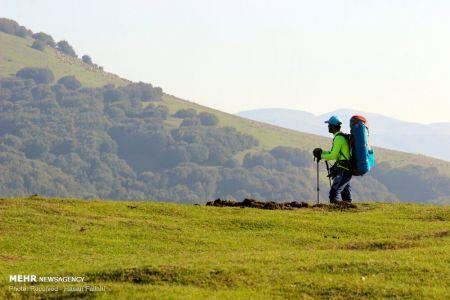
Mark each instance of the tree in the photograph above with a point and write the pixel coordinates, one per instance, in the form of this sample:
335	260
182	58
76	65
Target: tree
8	26
65	48
70	82
42	92
113	95
39	75
259	159
186	113
38	45
208	119
12	27
296	157
57	141
46	38
34	149
23	32
163	111
87	59
190	122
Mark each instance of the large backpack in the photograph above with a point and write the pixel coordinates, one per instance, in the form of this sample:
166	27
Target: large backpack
362	157
361	152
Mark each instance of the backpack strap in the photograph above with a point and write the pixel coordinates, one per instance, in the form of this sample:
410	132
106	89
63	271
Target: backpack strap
347	138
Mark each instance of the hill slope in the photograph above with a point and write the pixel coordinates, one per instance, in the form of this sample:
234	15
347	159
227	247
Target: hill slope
272	135
431	139
16	53
100	143
147	250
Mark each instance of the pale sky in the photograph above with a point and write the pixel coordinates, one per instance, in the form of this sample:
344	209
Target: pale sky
382	56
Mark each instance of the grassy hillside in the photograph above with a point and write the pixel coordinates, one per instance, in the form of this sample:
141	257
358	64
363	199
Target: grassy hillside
389	183
16	53
271	136
145	250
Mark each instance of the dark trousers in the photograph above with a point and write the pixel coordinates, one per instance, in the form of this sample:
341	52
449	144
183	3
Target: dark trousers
341	186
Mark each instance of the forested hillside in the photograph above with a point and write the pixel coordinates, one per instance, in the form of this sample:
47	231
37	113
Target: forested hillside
62	137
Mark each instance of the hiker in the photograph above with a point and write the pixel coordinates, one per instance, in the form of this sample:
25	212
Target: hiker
341	171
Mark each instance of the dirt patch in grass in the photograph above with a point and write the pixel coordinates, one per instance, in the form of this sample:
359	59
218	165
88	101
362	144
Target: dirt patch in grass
278	205
340	205
378	245
258	204
9	257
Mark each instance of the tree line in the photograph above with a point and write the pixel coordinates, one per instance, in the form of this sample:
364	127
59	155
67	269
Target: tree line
42	40
58	138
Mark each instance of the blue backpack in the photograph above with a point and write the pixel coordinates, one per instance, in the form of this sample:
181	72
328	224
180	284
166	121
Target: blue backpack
362	157
361	152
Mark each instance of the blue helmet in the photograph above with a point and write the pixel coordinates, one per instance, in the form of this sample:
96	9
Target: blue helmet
334	120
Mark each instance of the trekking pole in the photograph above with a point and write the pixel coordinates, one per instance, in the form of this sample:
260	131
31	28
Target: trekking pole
328	171
318	186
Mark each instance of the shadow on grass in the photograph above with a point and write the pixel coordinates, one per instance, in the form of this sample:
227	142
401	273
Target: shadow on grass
60	294
341	290
378	245
170	275
421	236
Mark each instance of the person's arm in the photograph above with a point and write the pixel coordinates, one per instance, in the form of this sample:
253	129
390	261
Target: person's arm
335	150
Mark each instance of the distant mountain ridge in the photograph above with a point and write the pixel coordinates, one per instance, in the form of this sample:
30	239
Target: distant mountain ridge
430	139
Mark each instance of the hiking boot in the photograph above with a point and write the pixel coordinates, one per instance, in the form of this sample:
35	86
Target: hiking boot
347	201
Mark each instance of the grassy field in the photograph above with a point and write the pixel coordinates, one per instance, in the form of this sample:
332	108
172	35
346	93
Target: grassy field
148	250
16	53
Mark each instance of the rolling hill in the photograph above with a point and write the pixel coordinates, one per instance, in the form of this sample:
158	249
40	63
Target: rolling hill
430	139
17	53
107	158
271	135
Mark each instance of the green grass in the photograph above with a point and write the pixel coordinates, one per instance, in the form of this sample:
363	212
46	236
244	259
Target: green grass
16	53
170	251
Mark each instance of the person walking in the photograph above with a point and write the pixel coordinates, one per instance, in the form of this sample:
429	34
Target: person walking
341	171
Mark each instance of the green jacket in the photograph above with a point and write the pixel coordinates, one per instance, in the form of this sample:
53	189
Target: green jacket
340	151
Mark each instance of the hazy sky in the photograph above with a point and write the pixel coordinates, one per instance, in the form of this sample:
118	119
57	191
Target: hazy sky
383	56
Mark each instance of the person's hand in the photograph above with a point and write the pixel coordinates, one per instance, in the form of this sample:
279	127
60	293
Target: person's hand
317	153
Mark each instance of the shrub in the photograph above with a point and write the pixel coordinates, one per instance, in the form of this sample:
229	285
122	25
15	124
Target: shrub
163	111
65	48
297	157
190	122
47	39
12	27
112	95
70	82
8	26
87	59
259	159
39	75
186	113
41	92
23	32
35	149
208	119
38	45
